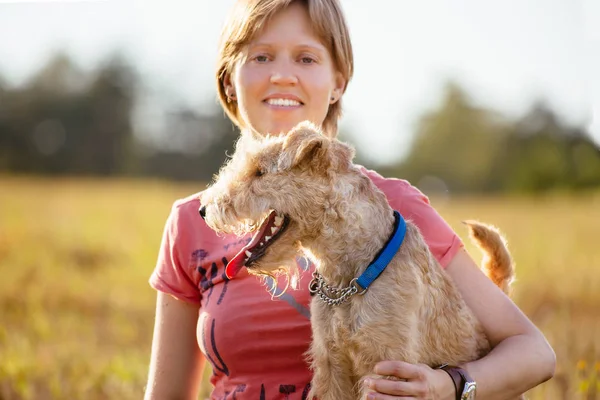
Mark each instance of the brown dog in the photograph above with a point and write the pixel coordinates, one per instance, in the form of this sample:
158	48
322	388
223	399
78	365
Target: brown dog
302	194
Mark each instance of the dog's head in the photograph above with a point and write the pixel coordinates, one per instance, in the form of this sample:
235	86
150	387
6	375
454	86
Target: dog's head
282	188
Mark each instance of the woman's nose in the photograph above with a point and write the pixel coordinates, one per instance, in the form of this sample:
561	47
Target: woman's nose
284	74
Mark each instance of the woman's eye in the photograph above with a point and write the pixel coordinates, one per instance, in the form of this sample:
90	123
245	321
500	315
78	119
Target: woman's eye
261	58
307	60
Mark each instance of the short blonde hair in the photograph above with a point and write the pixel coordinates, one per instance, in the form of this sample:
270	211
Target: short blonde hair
249	17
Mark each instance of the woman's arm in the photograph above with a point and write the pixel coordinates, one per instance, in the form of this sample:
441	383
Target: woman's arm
520	360
176	363
521	357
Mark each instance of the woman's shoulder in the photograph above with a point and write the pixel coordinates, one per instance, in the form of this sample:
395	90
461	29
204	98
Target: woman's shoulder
188	203
185	223
396	190
186	209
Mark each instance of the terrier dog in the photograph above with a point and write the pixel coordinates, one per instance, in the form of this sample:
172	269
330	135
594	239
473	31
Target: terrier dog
301	193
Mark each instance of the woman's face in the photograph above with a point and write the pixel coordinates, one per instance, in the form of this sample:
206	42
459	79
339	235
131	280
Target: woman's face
285	75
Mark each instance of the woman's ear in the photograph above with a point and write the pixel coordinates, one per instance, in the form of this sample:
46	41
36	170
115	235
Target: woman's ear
229	88
338	89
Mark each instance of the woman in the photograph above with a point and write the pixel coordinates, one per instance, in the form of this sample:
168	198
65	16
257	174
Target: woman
282	62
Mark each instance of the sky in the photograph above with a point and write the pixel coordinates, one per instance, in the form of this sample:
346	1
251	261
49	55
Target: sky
507	54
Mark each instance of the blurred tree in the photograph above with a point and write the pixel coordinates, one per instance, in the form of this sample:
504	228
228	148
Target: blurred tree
5	136
63	121
464	148
542	153
198	144
456	144
58	77
107	148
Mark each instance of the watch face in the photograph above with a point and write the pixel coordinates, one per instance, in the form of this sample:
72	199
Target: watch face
469	391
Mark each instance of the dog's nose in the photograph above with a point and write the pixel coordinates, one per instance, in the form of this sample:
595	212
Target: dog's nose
202	211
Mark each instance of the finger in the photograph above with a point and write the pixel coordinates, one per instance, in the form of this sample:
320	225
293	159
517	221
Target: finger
379	396
397	388
400	369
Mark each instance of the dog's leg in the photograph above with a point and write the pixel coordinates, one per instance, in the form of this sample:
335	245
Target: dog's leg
401	346
331	377
332	370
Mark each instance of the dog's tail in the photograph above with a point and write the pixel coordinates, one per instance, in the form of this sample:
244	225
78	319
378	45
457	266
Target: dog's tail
497	263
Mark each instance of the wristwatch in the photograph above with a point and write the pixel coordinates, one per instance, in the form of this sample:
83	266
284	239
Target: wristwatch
463	383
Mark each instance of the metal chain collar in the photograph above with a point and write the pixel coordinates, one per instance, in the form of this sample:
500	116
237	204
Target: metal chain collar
333	296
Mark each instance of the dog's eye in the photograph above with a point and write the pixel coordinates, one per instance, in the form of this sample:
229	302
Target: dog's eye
259	172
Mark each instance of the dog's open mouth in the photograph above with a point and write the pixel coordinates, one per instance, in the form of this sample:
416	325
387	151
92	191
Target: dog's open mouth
269	230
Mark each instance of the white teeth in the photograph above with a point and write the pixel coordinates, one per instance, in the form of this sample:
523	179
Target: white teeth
274	229
278	221
267	238
261	243
283	102
249	254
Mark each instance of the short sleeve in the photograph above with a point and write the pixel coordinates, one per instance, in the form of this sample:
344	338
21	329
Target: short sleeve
443	242
409	201
174	273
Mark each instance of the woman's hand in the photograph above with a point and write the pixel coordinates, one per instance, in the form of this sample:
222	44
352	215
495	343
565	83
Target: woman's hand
418	381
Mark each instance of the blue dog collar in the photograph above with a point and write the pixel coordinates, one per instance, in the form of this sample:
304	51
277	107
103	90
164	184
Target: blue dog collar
385	256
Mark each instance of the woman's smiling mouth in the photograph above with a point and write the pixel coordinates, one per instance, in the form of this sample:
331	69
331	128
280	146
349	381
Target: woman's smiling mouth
283	101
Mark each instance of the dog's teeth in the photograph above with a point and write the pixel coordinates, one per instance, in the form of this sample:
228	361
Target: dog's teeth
261	243
278	220
249	254
274	229
267	238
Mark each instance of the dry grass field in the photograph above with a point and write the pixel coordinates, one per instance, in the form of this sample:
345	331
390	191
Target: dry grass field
76	312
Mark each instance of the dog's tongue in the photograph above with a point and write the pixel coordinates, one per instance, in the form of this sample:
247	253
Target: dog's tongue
239	261
235	265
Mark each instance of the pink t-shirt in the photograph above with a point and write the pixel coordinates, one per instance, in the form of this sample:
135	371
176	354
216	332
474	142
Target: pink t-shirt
254	341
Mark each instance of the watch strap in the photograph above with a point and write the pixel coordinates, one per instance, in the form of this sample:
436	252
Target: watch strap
459	377
466	379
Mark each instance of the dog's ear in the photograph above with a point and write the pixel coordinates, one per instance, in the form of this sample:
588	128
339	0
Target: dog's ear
304	143
342	155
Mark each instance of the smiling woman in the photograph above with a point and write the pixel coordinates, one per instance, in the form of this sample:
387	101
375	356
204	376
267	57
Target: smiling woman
299	64
282	62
